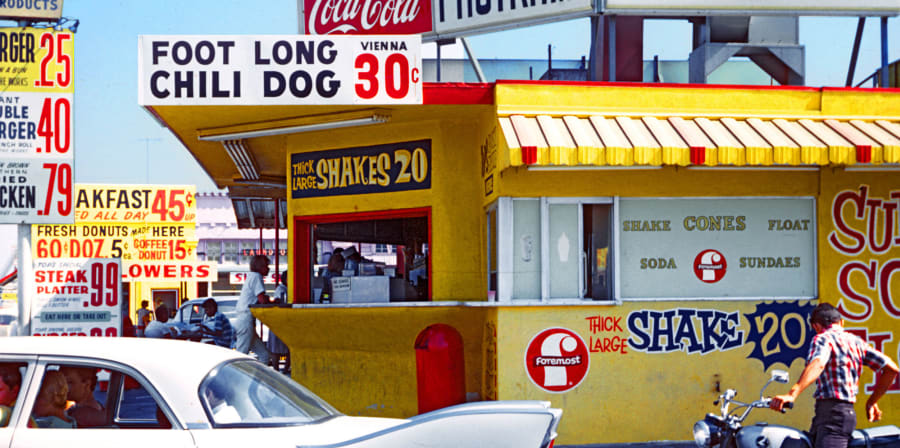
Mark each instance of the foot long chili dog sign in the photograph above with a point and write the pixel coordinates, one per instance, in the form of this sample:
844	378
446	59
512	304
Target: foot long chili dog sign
36	122
279	70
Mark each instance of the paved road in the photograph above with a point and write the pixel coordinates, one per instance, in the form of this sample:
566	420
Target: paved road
657	444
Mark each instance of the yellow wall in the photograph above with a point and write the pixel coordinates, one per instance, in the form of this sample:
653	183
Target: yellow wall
454	199
635	396
870	297
362	360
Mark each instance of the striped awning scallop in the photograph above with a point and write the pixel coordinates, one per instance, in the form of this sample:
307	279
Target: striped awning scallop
597	140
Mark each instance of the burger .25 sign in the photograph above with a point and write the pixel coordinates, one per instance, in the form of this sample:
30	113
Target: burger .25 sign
279	70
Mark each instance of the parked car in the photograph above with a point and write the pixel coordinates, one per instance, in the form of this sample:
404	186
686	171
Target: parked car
191	312
170	393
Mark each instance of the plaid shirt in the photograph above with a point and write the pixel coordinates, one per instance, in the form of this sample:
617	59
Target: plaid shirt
220	323
844	355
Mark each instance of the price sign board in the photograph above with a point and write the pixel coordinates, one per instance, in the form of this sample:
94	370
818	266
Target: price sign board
161	204
36	126
77	297
130	242
279	70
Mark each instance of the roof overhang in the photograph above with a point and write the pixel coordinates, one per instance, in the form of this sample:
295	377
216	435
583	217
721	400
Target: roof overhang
571	125
243	148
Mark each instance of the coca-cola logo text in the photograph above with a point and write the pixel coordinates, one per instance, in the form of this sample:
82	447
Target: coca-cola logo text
367	16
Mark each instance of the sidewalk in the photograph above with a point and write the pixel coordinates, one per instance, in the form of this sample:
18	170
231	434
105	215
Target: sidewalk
656	444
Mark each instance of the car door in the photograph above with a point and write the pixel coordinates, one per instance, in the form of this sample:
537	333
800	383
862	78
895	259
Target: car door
18	369
134	414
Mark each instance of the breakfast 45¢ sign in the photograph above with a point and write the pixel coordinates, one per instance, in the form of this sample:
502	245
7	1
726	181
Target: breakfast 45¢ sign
279	70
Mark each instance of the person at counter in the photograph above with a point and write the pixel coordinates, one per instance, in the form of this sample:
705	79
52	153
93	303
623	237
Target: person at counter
334	269
352	258
253	292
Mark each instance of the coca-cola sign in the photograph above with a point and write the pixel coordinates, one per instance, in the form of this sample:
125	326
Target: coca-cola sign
367	16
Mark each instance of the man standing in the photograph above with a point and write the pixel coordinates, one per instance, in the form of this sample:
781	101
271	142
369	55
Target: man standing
252	292
216	325
835	362
143	318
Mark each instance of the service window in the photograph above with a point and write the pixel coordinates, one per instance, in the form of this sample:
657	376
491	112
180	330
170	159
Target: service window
560	248
370	258
654	248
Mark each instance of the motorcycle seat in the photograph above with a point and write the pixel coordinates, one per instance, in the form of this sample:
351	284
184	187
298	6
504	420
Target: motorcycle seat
875	437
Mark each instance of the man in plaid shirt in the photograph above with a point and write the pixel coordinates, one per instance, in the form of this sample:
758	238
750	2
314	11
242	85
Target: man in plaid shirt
835	362
216	325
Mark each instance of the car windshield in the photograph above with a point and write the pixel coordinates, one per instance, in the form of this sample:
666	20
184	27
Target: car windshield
247	393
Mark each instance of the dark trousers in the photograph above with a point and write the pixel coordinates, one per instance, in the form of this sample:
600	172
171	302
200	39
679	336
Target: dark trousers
833	424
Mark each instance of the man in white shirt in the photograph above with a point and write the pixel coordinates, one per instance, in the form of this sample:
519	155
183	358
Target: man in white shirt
252	292
159	328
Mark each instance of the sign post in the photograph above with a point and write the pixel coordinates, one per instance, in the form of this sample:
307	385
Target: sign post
36	136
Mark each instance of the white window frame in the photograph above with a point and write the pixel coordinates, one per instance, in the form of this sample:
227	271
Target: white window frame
505	245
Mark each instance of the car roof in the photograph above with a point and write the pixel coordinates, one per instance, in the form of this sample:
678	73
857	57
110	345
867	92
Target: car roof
219	299
154	358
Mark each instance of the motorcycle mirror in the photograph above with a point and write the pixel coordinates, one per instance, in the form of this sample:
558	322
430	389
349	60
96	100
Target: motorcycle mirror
781	376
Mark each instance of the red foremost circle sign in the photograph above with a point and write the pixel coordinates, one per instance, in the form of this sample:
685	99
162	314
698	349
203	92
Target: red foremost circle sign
557	360
710	266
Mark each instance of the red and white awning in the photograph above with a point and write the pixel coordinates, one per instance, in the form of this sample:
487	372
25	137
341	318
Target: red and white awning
598	140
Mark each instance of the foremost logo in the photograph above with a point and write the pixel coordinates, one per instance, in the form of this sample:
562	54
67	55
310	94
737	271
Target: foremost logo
710	266
557	360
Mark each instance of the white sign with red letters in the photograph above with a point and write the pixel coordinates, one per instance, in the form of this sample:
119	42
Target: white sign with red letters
279	70
77	297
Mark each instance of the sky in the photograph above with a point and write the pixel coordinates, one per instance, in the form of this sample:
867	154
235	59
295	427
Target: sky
117	142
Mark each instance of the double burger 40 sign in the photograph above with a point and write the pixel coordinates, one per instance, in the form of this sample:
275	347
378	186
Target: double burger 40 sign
279	70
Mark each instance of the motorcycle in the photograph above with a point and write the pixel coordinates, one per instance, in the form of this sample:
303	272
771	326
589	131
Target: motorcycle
727	430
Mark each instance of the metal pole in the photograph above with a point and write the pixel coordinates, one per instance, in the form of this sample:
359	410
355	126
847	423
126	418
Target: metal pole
25	277
277	221
855	54
473	60
438	62
549	62
884	51
612	48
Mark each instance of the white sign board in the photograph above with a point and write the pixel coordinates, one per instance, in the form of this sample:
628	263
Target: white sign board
279	70
694	248
77	297
455	18
36	126
752	7
238	278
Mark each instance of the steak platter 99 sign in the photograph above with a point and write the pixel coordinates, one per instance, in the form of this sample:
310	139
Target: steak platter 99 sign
279	70
77	297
